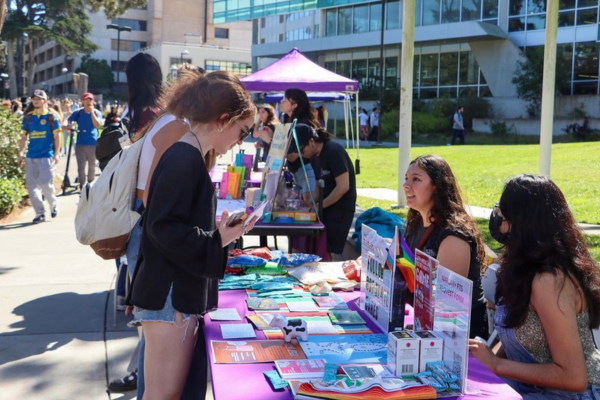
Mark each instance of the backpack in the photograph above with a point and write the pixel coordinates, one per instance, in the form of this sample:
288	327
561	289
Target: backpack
109	143
451	120
105	218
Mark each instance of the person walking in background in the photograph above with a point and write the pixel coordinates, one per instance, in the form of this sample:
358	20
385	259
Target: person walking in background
88	121
374	122
364	119
41	131
458	127
325	114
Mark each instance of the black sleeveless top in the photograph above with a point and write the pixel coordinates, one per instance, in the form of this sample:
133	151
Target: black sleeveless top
478	303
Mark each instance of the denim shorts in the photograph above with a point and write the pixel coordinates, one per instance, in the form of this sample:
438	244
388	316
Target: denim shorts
166	314
133	246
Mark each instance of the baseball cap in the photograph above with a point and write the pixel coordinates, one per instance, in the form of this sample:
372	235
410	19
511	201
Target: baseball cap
40	93
88	95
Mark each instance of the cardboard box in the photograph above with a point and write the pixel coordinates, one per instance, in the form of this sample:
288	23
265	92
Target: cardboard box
403	353
305	216
431	348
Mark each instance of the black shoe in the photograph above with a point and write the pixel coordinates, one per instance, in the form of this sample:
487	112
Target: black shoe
124	384
39	218
54	212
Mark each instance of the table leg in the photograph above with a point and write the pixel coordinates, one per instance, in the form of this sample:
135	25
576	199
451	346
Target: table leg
263	241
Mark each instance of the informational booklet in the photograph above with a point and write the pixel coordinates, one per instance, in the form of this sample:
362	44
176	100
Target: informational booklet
344	349
225	314
320	328
366	371
345	317
237	331
255	351
331	301
262	303
301	306
262	320
300	369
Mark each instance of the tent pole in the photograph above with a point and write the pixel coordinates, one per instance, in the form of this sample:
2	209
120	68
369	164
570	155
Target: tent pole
351	123
335	120
346	124
357	162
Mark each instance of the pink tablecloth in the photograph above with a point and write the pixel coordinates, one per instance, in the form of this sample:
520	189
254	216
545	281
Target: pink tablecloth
246	381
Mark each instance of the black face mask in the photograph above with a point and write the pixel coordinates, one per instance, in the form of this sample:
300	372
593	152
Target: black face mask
496	220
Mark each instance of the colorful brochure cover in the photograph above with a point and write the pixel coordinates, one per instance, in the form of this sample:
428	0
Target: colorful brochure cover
261	321
344	349
300	369
345	317
254	351
331	301
262	303
425	268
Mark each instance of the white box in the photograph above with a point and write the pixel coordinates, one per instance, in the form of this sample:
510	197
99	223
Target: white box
403	353
431	348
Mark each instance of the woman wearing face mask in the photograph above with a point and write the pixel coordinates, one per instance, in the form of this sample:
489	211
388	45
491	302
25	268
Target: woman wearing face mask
438	225
183	253
547	295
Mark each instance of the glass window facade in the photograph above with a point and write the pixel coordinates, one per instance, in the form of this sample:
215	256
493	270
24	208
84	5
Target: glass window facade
221	33
528	15
238	68
134	24
127	45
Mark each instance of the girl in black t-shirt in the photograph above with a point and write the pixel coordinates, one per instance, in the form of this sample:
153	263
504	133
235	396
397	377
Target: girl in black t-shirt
438	224
265	128
339	194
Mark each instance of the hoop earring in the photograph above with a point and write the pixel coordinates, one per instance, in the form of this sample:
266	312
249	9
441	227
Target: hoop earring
220	130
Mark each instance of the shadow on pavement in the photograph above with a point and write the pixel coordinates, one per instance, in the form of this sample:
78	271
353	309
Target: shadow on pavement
4	270
17	225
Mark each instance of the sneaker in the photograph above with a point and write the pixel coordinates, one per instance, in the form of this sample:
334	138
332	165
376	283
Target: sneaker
54	212
124	384
121	304
39	218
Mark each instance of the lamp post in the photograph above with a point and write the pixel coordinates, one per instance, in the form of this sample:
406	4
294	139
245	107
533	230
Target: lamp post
119	29
64	71
186	53
4	76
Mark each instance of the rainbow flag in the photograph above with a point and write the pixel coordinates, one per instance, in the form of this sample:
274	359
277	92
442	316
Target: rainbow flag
406	264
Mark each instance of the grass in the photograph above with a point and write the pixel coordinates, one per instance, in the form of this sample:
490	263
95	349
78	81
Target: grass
367	202
482	170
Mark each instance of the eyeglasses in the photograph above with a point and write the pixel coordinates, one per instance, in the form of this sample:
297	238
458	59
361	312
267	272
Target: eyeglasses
498	212
245	132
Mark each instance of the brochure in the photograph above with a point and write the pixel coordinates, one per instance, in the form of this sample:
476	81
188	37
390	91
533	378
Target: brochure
345	317
300	369
301	306
255	351
425	268
225	314
261	321
344	349
237	331
262	303
331	301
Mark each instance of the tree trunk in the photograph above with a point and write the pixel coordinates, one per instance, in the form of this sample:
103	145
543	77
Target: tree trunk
32	66
19	66
12	71
3	11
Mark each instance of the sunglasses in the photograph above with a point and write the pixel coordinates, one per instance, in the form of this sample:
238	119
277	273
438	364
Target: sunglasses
245	132
498	212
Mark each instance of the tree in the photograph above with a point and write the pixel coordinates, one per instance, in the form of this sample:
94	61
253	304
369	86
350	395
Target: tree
64	21
529	75
101	76
114	8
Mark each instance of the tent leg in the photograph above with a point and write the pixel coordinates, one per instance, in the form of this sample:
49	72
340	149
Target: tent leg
357	162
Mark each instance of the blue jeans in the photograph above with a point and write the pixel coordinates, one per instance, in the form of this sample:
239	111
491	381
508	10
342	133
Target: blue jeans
121	279
516	352
133	246
460	133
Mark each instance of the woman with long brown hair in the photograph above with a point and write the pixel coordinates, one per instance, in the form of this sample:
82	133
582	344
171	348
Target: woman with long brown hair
265	128
547	296
438	224
183	253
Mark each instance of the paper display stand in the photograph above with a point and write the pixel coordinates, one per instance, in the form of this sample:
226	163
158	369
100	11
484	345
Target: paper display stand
443	304
382	284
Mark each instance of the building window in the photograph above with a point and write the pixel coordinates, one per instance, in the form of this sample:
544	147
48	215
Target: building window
331	22
361	19
177	60
238	68
134	24
113	65
127	45
345	21
221	33
375	17
392	15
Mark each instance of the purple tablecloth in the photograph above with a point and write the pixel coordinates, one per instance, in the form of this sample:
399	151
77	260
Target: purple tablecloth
246	381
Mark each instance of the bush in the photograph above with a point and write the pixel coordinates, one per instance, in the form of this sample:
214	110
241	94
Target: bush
430	122
11	193
390	124
11	175
475	107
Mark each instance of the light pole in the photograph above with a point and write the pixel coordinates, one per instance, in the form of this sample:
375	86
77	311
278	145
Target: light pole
119	29
4	76
183	53
64	71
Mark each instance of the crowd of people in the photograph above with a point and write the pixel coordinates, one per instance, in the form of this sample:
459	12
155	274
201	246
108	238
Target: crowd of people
548	286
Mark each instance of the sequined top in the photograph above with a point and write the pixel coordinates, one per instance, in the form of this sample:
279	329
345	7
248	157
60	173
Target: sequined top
532	337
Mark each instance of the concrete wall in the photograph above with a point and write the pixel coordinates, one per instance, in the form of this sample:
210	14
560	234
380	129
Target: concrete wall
498	75
532	126
513	107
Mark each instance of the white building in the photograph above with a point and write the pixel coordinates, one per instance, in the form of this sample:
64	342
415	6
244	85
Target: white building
172	31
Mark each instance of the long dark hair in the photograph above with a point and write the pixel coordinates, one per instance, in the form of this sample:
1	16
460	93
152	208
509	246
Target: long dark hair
145	86
304	109
271	119
544	237
448	206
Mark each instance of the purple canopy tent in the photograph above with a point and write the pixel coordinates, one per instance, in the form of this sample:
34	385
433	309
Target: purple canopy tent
294	70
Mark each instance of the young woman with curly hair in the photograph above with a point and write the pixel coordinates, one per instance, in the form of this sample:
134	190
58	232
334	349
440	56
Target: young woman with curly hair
547	296
438	225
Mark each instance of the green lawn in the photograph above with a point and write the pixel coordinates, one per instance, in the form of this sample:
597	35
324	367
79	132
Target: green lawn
481	171
367	202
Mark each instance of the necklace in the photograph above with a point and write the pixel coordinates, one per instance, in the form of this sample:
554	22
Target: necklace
198	140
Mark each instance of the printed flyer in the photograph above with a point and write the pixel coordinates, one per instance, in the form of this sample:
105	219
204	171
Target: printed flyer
452	320
254	351
425	269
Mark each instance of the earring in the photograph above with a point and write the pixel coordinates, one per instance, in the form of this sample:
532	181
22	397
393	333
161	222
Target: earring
220	130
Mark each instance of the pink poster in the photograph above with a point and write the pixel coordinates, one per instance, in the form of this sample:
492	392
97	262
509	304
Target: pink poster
425	269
